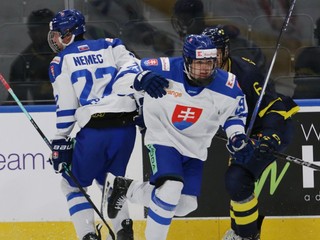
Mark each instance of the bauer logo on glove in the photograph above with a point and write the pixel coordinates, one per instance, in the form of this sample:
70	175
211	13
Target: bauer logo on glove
61	156
55	155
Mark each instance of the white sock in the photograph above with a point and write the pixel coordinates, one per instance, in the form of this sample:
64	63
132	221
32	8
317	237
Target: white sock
140	193
83	220
162	209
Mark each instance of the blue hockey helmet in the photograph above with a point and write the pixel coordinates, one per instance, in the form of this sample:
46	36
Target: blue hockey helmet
199	54
219	37
69	22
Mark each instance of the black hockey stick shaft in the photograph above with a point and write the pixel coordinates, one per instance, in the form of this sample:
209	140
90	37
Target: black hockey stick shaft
296	160
258	103
283	156
68	171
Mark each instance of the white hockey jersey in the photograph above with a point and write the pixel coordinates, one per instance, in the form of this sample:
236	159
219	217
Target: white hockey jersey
84	76
187	117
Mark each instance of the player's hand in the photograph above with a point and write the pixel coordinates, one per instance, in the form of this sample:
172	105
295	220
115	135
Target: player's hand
269	142
62	150
241	148
152	83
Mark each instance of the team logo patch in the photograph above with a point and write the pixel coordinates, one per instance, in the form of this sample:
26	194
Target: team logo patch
55	154
52	70
165	63
185	116
174	93
230	82
151	62
83	48
109	39
206	53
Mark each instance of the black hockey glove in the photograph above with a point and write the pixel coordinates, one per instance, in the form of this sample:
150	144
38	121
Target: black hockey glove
152	83
62	150
269	142
241	148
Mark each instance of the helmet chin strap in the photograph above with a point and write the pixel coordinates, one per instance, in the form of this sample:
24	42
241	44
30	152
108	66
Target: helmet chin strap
66	44
186	71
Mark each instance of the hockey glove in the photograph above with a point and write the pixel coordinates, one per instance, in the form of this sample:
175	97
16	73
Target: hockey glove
240	147
269	142
62	150
152	83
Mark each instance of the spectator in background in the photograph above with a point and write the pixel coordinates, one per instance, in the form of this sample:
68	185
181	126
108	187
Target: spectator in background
30	69
307	62
145	35
189	18
307	69
136	32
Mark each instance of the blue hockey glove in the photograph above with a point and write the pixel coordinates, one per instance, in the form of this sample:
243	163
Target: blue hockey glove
152	83
241	148
269	142
62	150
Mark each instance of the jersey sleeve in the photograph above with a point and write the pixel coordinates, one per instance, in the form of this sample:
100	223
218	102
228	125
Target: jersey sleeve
238	108
236	121
275	109
65	98
127	65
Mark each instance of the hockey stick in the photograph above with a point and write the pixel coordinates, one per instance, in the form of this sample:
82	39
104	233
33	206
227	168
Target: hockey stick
68	171
282	156
258	103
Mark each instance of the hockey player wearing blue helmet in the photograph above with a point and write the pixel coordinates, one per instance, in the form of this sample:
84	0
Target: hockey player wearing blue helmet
85	76
179	130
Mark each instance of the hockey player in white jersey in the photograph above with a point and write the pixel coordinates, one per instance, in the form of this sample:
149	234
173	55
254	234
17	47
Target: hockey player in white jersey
179	129
84	76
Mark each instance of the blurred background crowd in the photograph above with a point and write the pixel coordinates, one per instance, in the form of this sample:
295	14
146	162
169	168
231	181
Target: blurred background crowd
153	28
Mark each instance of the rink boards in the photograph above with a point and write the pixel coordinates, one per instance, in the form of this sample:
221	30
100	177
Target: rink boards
33	207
